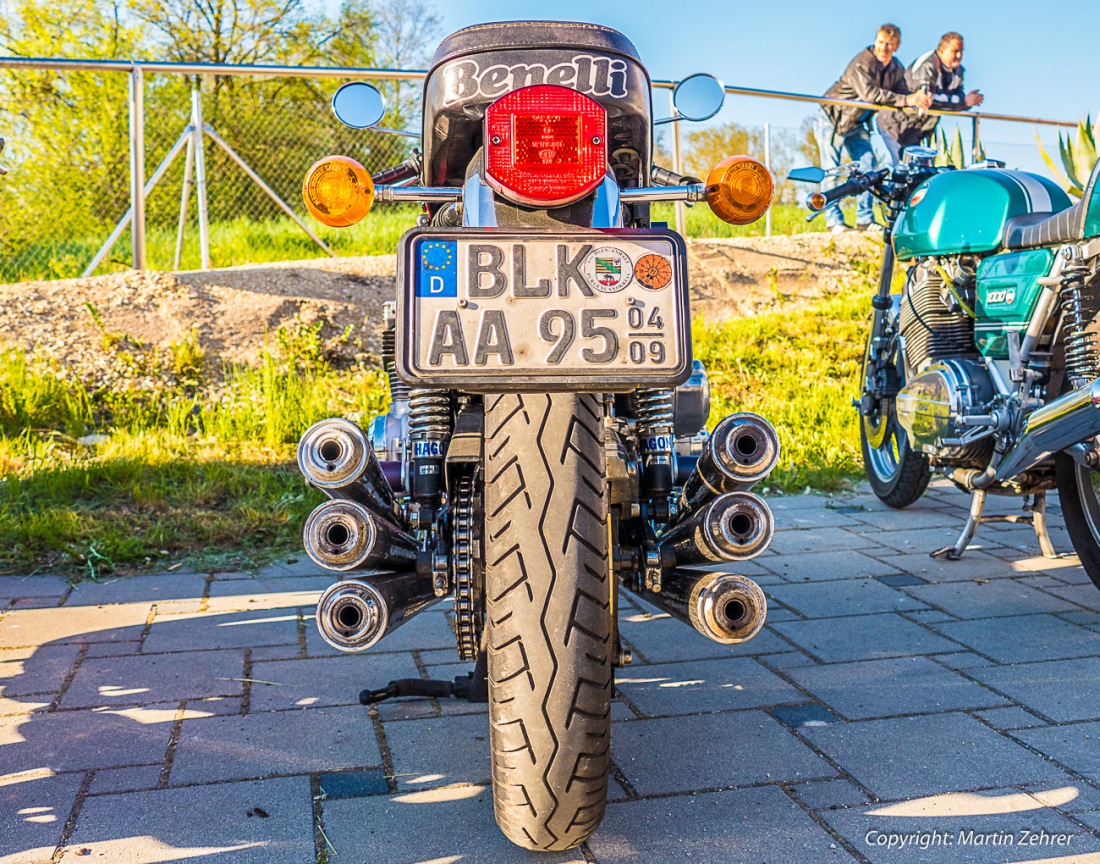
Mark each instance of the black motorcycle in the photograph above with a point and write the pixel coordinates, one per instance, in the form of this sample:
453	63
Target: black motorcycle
546	437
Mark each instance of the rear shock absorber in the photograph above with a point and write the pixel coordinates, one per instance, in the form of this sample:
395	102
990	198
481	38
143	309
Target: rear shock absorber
399	390
429	430
1082	364
656	436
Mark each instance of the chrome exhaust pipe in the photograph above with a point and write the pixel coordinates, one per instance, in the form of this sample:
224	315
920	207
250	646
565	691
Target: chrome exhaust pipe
345	535
735	526
1066	421
742	451
354	614
335	456
725	607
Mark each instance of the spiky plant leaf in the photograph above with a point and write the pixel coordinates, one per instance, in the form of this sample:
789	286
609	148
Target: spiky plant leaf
1084	153
941	160
1059	176
1065	150
958	155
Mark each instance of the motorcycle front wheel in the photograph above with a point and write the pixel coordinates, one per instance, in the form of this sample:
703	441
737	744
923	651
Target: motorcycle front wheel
548	616
897	473
1079	495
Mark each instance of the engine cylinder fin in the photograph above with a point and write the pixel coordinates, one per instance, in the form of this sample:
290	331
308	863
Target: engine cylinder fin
930	329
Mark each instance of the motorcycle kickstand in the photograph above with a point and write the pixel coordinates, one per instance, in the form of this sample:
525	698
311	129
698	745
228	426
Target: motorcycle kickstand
473	687
1039	523
954	553
1036	518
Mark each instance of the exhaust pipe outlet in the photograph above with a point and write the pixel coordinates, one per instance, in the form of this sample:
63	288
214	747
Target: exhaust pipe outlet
742	451
354	614
1066	421
345	535
735	526
336	457
725	607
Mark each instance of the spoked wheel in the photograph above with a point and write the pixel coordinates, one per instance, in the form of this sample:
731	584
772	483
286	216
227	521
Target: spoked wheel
548	616
898	474
1079	494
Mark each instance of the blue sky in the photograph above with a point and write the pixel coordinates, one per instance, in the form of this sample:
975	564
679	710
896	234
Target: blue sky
1013	51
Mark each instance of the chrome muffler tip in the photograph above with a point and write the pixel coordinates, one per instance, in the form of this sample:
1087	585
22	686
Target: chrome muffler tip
735	526
335	455
727	608
343	535
742	451
738	526
352	615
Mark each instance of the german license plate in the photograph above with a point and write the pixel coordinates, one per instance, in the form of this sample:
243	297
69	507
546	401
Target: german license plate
490	310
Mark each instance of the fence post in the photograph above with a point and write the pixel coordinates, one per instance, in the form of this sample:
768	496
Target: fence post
137	165
200	173
976	141
677	161
768	165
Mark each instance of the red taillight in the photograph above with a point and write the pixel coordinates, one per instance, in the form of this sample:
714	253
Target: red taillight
545	145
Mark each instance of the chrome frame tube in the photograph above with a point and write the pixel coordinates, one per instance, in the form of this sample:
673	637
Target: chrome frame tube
417	194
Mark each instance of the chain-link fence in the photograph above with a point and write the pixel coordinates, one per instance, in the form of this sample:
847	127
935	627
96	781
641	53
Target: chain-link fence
231	195
69	135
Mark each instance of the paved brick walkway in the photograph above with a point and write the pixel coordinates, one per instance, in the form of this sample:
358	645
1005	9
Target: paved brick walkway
894	702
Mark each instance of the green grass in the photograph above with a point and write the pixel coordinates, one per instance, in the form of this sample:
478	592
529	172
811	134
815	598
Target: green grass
799	371
700	222
245	241
202	474
208	478
235	242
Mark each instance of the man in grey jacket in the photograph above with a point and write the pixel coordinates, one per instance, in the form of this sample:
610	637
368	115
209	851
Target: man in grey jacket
874	75
940	72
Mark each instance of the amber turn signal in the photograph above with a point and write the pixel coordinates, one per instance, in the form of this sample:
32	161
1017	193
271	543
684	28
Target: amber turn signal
338	191
818	201
739	189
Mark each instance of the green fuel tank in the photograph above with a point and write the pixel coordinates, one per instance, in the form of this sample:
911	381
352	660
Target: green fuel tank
966	211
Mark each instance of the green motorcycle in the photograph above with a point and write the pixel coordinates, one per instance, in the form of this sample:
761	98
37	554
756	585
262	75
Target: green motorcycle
985	368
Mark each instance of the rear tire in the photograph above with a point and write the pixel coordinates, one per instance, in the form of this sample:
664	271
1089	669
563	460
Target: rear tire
548	616
1079	495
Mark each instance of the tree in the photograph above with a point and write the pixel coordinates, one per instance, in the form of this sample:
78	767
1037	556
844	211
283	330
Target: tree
706	147
67	132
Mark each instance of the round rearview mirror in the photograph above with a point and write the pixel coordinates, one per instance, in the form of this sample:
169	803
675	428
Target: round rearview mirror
699	97
358	105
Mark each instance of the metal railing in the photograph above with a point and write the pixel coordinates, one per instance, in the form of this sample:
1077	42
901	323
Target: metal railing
196	131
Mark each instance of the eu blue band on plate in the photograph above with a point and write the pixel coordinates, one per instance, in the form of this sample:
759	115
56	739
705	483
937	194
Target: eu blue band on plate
438	272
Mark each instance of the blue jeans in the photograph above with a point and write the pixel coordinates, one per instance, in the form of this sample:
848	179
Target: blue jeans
857	144
909	138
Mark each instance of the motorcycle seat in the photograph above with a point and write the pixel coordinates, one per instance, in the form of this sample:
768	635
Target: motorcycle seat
1047	229
1032	230
525	35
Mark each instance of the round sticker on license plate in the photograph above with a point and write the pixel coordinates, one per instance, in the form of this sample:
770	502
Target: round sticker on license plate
591	310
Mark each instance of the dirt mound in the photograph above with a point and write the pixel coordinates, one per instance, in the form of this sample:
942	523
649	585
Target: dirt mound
81	323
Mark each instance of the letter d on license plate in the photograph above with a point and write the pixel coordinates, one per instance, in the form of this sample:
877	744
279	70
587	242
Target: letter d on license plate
590	310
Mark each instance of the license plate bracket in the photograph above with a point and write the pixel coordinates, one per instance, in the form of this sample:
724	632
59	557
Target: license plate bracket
490	310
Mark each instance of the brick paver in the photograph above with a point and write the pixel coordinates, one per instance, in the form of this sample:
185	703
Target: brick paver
895	709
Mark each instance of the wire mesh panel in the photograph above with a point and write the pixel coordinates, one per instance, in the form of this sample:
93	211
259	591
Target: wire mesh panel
68	148
68	155
278	128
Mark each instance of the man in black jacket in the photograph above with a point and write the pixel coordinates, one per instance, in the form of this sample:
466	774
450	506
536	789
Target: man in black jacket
941	73
874	75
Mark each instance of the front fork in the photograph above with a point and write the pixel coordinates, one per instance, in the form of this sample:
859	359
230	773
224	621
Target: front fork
882	340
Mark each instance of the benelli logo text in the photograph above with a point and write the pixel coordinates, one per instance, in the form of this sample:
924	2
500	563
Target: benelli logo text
594	76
